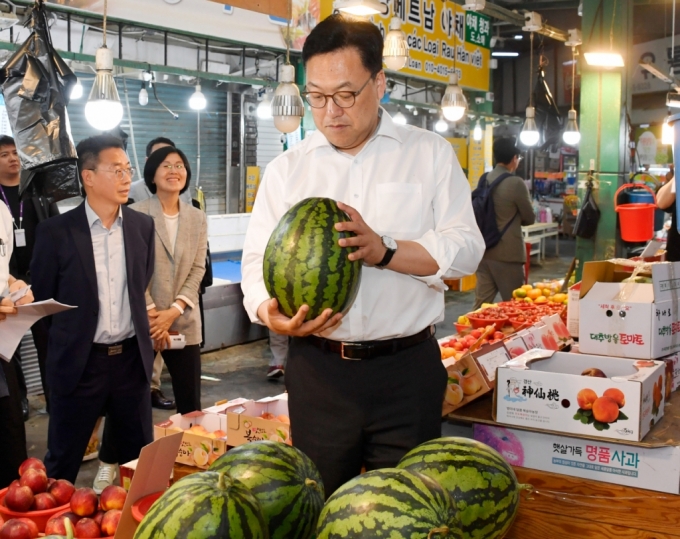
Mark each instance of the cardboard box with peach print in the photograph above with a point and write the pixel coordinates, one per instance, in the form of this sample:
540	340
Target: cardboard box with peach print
589	395
204	439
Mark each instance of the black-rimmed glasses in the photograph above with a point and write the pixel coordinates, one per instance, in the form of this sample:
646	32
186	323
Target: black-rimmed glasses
344	99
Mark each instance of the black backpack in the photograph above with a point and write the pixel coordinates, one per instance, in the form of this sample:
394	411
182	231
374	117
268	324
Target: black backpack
485	213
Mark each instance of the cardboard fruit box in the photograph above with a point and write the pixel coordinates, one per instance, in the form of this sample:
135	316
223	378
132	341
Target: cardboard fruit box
545	390
245	421
203	440
633	319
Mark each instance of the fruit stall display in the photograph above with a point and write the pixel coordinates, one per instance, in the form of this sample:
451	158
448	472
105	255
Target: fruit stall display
34	504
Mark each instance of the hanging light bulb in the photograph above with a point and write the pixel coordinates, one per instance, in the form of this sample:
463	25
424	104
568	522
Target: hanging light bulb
264	109
77	91
287	105
454	103
143	95
529	135
571	135
361	8
103	109
399	118
441	126
395	51
477	132
197	100
667	135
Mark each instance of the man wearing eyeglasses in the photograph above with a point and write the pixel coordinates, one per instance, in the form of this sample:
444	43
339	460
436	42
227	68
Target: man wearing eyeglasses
98	257
366	387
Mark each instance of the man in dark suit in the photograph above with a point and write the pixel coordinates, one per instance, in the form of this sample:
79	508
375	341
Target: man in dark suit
98	257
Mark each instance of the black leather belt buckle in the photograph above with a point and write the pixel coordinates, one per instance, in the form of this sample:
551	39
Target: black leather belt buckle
115	350
351	349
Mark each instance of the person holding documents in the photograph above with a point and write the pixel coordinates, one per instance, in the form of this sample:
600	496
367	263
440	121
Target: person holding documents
98	257
11	415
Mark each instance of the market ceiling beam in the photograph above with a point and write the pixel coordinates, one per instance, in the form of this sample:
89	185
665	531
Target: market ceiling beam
275	8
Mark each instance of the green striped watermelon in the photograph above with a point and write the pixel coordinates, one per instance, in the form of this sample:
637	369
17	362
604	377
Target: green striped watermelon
205	505
389	504
284	480
303	263
482	484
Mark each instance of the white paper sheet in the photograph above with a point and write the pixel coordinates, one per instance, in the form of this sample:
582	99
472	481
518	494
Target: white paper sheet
14	327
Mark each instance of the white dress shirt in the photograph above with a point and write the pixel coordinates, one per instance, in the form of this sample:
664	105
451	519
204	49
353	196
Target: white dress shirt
6	245
114	323
407	184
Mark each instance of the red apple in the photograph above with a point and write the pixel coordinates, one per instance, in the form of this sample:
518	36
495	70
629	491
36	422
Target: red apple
62	490
112	497
16	529
35	531
34	479
98	516
110	522
84	502
19	499
13	484
87	528
50	482
32	463
55	526
44	501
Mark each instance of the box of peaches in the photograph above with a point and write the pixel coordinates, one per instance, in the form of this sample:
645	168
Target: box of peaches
204	440
33	505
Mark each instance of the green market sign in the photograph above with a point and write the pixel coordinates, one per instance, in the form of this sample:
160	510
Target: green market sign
478	29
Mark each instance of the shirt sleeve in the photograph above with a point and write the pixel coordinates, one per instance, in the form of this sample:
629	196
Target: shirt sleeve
455	242
268	209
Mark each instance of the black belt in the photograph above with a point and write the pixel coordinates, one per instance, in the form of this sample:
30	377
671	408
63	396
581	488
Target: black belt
115	348
370	349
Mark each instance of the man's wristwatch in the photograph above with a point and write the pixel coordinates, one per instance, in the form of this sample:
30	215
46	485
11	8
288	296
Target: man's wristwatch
391	247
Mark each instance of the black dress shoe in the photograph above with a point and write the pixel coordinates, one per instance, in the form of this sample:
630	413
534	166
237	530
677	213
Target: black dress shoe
24	408
160	401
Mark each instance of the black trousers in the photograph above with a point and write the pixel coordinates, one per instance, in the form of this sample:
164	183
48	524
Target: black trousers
116	385
184	367
347	414
12	430
40	338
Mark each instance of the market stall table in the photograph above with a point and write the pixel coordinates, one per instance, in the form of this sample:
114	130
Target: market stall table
537	233
565	506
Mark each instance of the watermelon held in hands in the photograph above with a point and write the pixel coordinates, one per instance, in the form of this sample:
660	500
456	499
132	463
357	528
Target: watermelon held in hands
482	484
284	480
303	263
205	505
390	504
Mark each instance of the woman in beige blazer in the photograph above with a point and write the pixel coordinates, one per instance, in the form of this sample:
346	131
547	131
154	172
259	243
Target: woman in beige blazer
172	295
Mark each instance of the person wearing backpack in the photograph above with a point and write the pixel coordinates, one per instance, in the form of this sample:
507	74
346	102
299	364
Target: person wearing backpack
502	206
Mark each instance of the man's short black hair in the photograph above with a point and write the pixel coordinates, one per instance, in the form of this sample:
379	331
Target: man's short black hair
6	140
89	149
154	161
504	149
158	140
337	32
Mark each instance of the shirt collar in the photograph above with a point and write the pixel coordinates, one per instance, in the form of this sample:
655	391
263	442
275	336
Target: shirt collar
92	217
386	128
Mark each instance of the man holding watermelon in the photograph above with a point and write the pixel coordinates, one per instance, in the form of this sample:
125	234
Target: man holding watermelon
365	385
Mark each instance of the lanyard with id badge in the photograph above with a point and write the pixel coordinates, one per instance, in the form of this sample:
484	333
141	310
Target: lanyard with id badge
19	232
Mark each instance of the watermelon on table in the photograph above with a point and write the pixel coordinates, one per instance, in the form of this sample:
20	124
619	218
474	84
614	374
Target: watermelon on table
204	505
303	263
284	480
389	504
483	485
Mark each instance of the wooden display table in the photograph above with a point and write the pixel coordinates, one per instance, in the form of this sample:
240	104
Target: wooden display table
562	506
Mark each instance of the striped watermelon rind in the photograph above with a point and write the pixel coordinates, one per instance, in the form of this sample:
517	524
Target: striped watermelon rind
390	504
303	263
204	505
284	480
483	485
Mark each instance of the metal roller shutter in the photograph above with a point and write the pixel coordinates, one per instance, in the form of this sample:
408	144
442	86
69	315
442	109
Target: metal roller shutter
153	121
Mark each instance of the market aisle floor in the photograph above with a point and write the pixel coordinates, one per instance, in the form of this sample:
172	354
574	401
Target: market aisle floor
240	370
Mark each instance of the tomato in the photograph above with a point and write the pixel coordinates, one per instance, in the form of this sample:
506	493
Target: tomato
476	333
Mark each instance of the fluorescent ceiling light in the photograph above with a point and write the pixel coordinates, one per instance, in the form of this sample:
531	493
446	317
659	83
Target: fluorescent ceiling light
604	59
362	8
508	54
